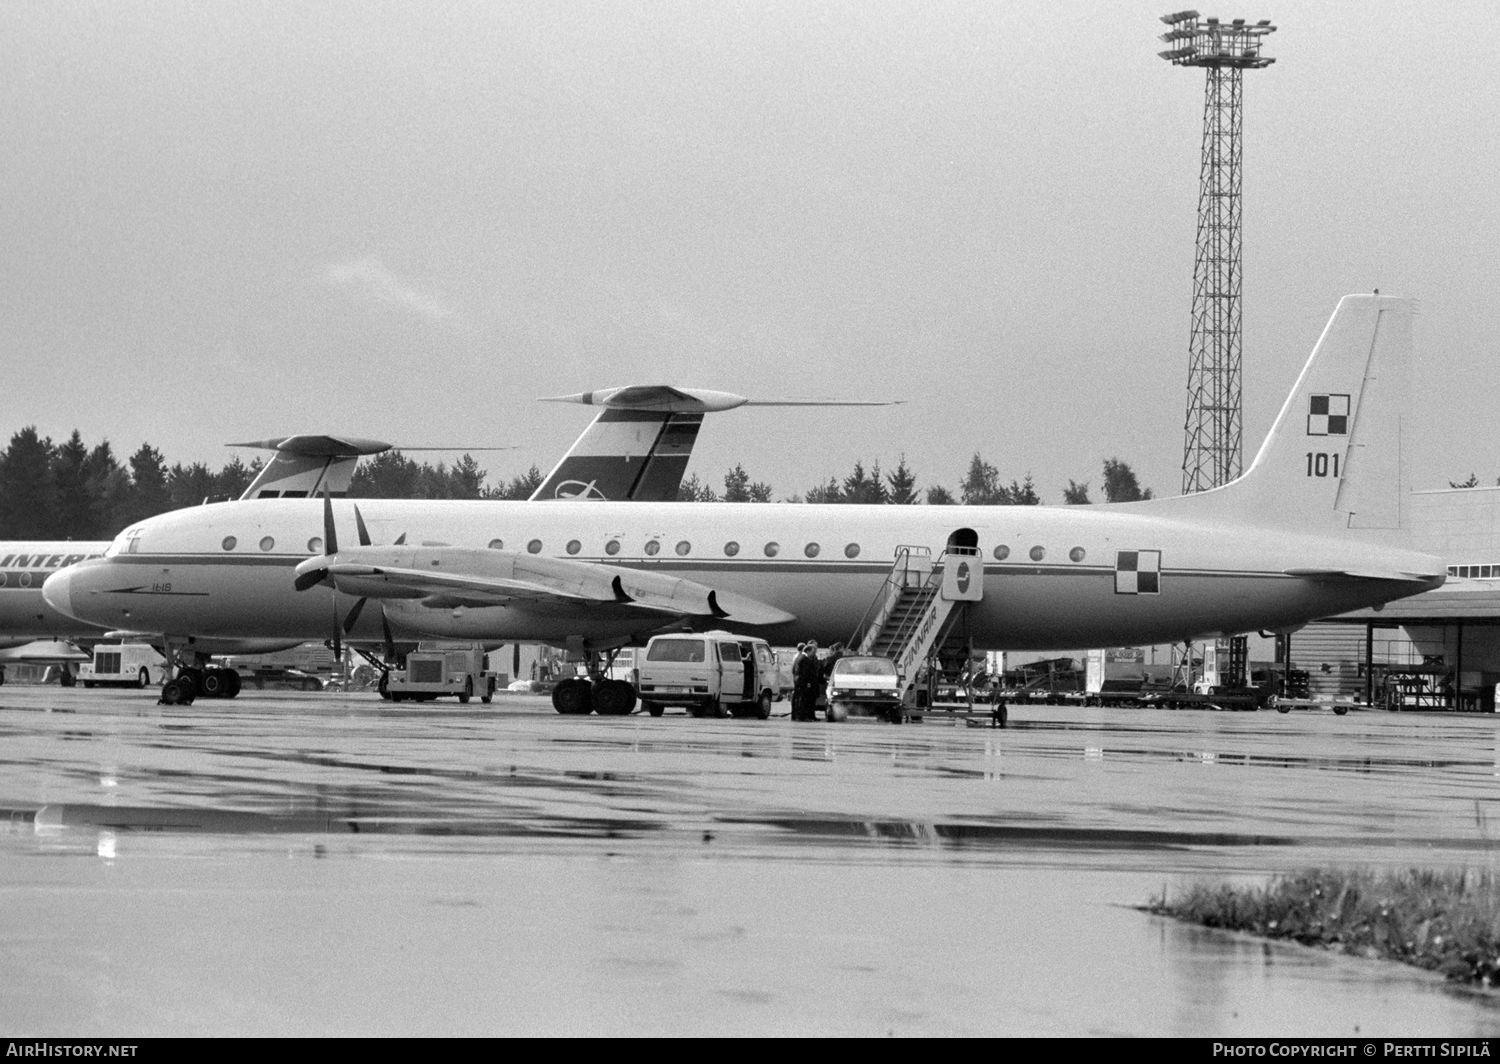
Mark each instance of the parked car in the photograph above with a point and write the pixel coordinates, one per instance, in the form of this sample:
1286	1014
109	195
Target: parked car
867	685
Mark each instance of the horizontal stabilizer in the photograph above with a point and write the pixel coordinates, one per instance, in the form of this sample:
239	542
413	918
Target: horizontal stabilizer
667	399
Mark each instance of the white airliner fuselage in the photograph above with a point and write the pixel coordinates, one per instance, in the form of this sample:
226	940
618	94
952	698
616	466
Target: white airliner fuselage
1050	574
24	567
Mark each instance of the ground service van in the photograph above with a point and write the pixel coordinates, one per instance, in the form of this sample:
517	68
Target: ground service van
124	665
435	670
712	674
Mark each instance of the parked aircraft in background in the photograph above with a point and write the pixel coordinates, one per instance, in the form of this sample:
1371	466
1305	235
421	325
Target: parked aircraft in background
1313	528
639	444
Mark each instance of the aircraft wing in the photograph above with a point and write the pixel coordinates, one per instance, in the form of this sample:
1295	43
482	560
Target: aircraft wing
496	577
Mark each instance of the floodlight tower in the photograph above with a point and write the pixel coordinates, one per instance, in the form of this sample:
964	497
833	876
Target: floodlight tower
1211	450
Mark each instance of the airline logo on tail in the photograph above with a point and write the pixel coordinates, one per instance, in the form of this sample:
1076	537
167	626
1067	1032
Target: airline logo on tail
1328	415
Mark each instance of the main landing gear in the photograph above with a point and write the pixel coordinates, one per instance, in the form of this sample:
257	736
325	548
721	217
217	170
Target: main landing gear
608	698
598	693
213	681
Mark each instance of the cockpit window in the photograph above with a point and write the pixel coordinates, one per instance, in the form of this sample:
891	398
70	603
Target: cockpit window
127	542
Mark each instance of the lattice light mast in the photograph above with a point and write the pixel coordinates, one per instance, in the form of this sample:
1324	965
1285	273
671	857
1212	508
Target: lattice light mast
1212	447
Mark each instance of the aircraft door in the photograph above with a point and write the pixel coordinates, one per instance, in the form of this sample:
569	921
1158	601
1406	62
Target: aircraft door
752	683
731	671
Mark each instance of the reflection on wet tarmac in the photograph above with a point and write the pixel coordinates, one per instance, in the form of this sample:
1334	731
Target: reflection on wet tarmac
698	875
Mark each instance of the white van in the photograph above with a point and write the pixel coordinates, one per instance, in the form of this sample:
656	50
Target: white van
124	665
712	673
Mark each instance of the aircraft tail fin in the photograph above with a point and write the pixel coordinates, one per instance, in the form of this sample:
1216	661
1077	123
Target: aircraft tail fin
639	455
1336	457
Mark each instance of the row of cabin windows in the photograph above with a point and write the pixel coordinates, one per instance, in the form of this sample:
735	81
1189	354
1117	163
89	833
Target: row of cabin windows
314	545
1482	572
771	550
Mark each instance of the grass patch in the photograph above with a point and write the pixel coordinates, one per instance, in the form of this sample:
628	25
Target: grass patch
1443	921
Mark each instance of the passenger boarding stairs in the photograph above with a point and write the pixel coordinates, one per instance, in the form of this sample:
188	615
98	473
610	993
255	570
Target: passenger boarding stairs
920	609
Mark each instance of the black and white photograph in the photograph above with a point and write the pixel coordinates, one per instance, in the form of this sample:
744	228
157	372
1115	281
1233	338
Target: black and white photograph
742	518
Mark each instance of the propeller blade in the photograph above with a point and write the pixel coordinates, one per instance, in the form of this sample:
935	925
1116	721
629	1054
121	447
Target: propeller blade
390	644
330	537
338	644
353	617
310	578
359	523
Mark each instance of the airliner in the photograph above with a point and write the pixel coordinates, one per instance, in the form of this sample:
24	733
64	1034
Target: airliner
1316	526
636	448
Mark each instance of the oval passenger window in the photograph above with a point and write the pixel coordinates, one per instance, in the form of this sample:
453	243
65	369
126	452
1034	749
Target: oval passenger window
229	542
1077	554
851	551
683	547
731	549
1038	553
574	546
772	549
612	547
653	547
811	550
497	544
534	547
267	543
314	545
1002	552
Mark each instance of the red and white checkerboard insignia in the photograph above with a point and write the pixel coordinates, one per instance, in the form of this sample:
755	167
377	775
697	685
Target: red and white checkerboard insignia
1138	572
1328	415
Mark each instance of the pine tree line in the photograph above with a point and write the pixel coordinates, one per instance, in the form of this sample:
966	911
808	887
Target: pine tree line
981	486
72	491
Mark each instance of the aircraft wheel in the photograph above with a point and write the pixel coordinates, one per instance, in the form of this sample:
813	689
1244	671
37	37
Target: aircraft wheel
173	694
190	682
213	684
653	708
837	711
468	691
573	697
614	698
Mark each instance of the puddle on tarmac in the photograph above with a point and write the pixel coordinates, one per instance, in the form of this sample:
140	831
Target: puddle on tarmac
325	865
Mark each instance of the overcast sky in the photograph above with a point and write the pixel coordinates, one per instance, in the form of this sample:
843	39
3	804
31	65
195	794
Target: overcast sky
409	220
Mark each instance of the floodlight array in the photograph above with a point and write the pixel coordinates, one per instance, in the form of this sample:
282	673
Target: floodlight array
1210	42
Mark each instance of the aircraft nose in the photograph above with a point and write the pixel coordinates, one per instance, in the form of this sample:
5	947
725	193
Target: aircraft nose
57	589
